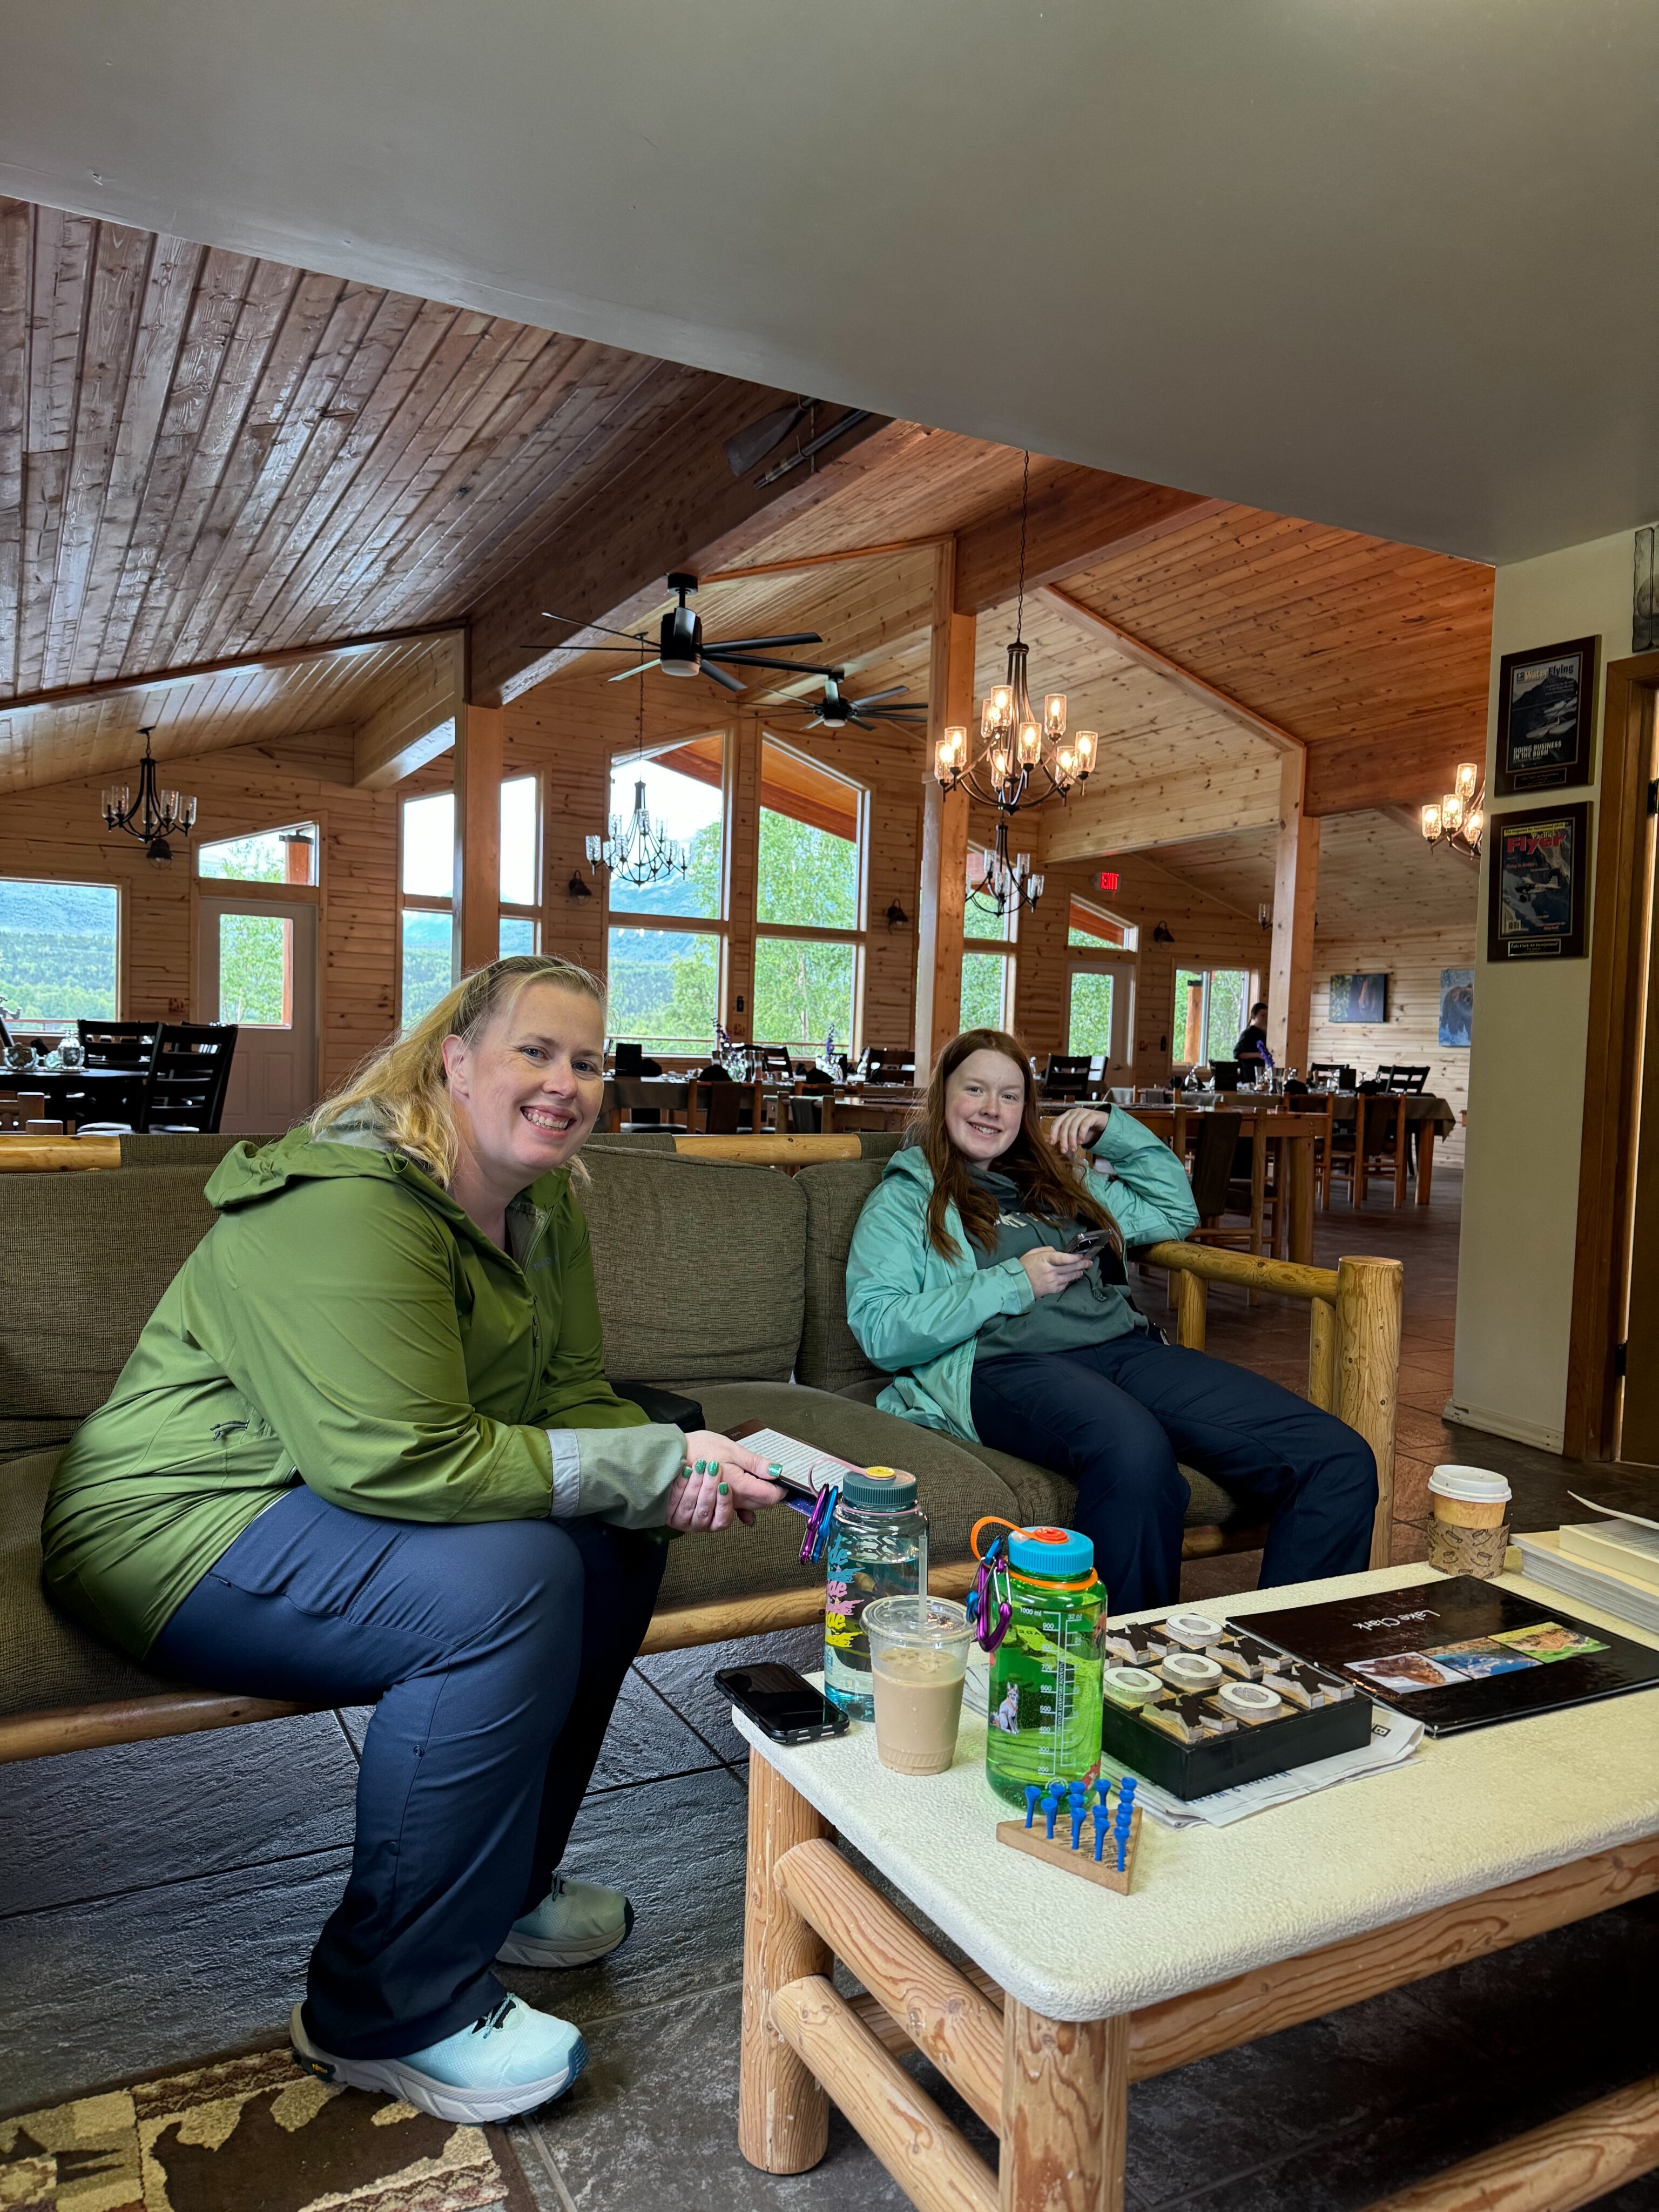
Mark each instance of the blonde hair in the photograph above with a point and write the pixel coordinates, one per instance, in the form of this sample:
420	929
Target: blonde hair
404	1090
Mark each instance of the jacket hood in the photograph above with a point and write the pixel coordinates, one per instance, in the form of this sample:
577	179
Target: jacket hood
910	1160
245	1175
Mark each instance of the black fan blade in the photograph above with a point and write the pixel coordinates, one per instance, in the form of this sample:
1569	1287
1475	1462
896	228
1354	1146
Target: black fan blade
750	447
718	674
581	621
873	698
762	660
622	674
765	644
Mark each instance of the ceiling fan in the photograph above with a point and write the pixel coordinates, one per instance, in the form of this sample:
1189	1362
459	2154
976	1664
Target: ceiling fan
683	650
834	711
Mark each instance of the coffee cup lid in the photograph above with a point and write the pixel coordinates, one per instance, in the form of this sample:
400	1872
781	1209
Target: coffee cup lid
1474	1485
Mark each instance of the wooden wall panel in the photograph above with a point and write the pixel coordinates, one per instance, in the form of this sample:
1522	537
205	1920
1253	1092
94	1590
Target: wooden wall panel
1414	961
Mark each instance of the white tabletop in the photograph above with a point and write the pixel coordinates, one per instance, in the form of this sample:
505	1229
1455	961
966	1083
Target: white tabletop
1467	1813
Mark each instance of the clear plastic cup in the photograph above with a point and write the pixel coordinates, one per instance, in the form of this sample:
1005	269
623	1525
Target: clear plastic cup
918	1660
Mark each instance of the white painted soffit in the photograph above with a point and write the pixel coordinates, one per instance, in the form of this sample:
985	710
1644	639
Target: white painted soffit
1383	262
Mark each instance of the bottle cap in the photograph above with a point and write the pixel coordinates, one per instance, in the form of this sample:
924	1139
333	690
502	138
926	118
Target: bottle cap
1061	1554
879	1489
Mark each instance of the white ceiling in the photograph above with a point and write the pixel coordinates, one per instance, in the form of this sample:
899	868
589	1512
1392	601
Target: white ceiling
1380	263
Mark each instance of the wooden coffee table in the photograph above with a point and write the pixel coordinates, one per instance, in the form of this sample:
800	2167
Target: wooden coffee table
1230	1933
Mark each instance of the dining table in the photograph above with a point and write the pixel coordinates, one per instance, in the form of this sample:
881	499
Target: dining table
1271	1124
101	1094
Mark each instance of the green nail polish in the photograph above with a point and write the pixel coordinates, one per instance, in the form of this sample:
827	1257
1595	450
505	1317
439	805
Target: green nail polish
775	1469
725	1489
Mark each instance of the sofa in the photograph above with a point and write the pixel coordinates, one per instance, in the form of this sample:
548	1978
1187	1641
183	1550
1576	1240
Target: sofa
724	1282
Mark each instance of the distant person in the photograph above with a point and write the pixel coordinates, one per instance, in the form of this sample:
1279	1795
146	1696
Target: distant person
1252	1046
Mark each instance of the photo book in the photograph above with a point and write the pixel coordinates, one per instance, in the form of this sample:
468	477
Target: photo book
1462	1654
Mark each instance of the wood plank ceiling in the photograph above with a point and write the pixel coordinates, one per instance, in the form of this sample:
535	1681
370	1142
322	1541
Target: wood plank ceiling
1375	873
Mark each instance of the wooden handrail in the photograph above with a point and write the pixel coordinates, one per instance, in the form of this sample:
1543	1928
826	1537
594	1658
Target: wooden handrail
769	1150
26	1155
1216	1266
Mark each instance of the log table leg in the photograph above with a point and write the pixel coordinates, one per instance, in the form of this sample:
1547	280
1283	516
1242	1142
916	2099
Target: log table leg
783	2115
1303	1178
1425	1160
1065	2097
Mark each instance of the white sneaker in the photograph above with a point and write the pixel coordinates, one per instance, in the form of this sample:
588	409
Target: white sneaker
509	2062
575	1923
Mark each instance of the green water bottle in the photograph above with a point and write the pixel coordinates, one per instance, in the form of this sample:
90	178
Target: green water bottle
1044	1708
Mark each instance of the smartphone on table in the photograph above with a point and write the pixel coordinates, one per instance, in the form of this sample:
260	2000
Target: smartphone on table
782	1704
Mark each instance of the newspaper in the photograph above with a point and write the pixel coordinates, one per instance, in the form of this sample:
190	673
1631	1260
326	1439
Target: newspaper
1394	1740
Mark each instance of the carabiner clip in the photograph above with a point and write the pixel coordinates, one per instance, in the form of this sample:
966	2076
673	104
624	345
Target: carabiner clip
989	1596
817	1525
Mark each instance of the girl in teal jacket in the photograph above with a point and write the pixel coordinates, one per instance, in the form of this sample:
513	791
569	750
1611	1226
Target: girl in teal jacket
962	1283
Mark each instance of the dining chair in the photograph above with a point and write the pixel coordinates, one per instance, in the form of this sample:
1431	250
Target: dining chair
1321	1107
890	1064
1373	1143
118	1044
184	1089
643	1103
1066	1075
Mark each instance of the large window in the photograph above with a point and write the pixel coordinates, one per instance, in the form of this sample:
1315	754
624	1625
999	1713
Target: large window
987	960
1089	1020
1211	1005
809	899
58	946
426	876
667	940
288	855
1100	987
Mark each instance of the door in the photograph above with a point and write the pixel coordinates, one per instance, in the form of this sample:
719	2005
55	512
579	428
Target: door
256	965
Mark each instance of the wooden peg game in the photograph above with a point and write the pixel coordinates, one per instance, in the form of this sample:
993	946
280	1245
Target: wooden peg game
1057	1850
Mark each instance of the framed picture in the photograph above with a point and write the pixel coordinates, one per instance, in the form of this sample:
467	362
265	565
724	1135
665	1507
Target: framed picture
1457	1007
1540	868
1359	998
1546	713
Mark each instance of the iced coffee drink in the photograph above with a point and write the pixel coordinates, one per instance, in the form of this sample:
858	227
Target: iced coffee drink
918	1659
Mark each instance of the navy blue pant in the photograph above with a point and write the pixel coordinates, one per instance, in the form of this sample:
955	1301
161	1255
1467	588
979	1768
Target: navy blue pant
1116	1417
494	1654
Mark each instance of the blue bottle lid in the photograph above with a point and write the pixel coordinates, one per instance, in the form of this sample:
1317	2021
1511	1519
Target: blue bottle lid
879	1489
1059	1554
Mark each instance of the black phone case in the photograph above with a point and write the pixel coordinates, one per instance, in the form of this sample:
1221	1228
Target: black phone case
834	1724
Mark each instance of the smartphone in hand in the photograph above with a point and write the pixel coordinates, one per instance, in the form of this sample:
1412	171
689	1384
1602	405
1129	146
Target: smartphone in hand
1090	1241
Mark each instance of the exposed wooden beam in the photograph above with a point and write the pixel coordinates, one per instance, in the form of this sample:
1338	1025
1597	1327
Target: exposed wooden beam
1120	640
475	899
413	724
678	506
1417	764
1077	516
804	560
287	656
1168	810
943	887
1295	890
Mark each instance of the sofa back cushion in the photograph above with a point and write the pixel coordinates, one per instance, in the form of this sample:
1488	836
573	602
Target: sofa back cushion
700	1266
199	1148
87	1257
835	1193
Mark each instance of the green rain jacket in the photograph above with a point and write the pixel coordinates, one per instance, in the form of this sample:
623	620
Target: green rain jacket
914	1310
344	1324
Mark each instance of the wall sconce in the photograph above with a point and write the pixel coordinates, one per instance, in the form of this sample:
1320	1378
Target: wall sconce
578	888
1264	914
1161	936
897	917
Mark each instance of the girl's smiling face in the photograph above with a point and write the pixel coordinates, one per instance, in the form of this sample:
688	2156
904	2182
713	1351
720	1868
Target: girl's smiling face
984	1101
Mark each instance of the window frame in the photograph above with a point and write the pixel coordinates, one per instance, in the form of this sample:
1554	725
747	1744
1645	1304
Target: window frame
432	902
1209	973
275	830
39	1025
817	932
718	925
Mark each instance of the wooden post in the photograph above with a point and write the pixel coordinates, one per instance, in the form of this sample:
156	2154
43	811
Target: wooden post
1301	1195
477	892
1296	888
1321	1354
783	2118
1192	1297
943	889
1065	2095
744	739
1370	1296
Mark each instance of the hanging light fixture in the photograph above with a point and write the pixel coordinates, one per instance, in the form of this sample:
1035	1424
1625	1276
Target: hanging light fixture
154	816
1003	885
1021	761
639	851
1459	821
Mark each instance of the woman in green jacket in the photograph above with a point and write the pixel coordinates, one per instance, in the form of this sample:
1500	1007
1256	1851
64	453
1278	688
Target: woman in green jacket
364	1452
963	1281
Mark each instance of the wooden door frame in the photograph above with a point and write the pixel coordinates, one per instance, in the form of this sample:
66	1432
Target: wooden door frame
1612	1059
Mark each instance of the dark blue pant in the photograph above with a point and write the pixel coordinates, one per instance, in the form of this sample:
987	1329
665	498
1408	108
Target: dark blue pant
494	1654
1116	1417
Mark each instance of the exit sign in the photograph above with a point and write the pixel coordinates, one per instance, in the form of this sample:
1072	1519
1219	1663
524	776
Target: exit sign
1108	880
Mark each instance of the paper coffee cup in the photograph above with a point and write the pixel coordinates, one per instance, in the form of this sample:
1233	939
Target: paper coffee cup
1468	1497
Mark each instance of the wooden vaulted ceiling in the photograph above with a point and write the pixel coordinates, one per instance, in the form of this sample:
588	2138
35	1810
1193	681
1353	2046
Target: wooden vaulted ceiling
204	455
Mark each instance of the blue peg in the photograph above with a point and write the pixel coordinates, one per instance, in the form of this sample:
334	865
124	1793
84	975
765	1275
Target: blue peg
1077	1821
1120	1835
1050	1807
1033	1791
1100	1832
1126	1789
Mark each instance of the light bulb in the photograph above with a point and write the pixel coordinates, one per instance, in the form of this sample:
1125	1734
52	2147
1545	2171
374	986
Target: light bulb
1431	821
1030	744
1002	700
1088	742
1465	776
1451	810
944	759
988	717
1473	825
1054	713
999	763
1034	888
955	744
1067	764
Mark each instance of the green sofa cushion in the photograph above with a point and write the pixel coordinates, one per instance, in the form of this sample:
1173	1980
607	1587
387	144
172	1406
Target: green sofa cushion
699	1266
187	1151
835	1192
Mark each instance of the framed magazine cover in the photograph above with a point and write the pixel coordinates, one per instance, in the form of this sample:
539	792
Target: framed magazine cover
1539	873
1546	716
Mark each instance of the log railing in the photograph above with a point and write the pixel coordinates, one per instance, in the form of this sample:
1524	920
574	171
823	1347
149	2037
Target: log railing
1353	1338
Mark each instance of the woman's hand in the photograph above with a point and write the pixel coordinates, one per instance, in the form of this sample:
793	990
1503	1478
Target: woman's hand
1050	1270
721	1482
1076	1128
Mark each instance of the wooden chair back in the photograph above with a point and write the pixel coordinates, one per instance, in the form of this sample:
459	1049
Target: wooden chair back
1212	1162
118	1044
1066	1075
185	1086
890	1064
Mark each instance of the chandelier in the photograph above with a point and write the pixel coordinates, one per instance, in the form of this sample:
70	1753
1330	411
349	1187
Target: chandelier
154	816
1004	885
1460	820
639	851
1020	761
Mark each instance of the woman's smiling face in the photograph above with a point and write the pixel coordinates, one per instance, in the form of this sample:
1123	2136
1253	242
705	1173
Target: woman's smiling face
527	1090
984	1100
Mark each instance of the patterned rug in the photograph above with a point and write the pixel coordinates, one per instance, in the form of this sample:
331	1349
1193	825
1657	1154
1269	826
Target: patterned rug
251	2135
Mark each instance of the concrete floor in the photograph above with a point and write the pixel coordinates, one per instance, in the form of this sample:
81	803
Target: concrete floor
157	1903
